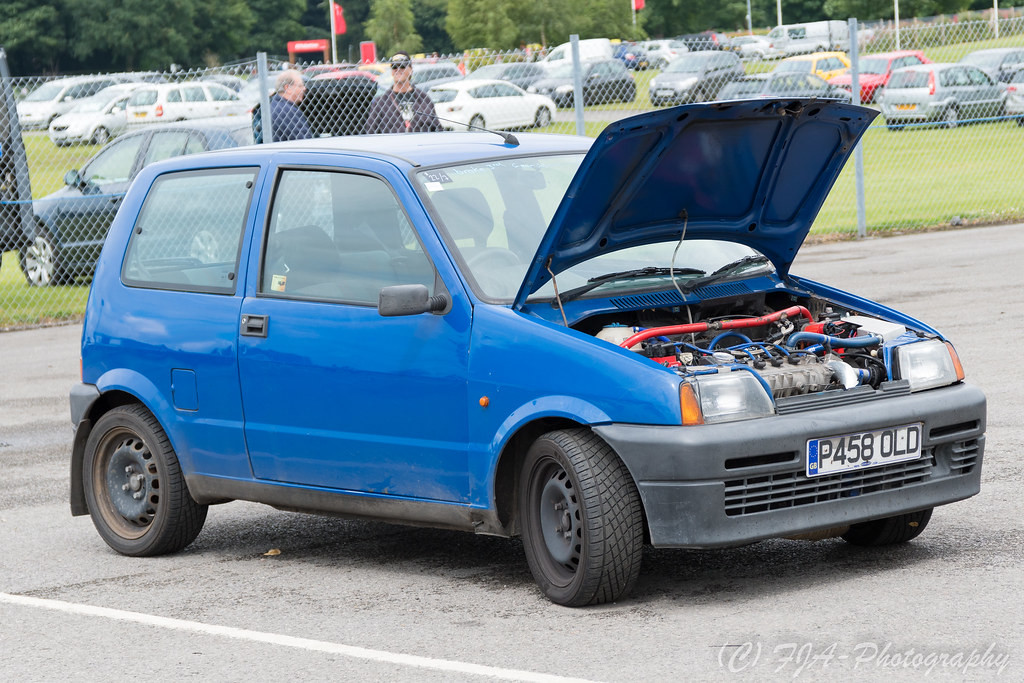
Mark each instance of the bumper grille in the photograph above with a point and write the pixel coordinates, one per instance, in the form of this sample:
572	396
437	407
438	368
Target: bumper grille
764	493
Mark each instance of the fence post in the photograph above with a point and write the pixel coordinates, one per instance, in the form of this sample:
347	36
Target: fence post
858	152
15	186
577	80
266	120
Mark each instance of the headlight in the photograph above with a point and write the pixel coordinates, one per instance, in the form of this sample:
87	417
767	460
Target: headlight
928	364
653	84
532	88
563	89
725	396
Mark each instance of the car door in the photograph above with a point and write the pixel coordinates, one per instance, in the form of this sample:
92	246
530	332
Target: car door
334	394
80	216
197	105
988	94
511	101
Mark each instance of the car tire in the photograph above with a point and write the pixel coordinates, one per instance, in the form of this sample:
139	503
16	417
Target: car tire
1020	120
890	530
477	122
542	118
100	136
581	519
951	117
134	487
41	262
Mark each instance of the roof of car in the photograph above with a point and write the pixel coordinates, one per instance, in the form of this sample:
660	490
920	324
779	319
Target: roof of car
814	55
427	149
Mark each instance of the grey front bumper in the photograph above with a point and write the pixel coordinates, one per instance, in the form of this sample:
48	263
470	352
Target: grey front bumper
729	484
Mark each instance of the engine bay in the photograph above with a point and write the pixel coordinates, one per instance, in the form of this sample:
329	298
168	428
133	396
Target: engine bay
796	346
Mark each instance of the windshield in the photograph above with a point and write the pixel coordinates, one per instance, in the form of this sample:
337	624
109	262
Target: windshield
495	213
873	66
686	66
797	66
45	92
984	60
563	71
489	71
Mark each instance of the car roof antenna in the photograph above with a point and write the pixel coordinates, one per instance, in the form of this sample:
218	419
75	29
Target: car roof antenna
504	135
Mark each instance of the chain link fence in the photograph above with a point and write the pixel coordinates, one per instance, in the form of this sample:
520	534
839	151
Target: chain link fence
944	151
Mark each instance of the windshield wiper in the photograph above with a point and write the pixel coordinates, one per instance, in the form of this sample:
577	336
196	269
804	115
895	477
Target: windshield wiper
723	272
649	271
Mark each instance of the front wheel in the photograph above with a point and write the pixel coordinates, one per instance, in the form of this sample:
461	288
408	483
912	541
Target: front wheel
890	530
134	487
477	122
582	523
40	262
101	136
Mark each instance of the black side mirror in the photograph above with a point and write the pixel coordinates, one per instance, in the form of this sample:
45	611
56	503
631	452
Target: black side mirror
410	300
73	179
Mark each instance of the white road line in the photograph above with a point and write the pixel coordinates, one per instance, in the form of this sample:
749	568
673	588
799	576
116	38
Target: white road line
286	641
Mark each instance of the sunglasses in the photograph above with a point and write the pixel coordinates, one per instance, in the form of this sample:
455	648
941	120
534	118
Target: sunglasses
400	65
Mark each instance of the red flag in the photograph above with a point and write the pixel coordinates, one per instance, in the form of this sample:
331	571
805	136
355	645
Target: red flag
638	4
339	19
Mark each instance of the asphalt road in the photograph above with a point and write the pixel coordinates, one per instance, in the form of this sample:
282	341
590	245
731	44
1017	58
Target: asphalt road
354	600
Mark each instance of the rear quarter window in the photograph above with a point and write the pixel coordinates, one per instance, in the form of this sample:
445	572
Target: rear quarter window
189	232
909	79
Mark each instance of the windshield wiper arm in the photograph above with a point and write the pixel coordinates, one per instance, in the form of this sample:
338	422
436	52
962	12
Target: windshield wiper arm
649	271
723	272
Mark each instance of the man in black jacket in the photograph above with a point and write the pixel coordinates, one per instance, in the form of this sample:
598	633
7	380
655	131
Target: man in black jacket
403	109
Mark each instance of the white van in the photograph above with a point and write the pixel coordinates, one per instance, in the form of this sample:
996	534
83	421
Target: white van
590	48
814	36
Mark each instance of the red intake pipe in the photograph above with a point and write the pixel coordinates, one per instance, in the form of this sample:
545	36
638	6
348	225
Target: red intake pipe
739	323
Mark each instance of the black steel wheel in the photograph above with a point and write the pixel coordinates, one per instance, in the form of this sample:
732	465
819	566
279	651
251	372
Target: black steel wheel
582	522
134	488
889	531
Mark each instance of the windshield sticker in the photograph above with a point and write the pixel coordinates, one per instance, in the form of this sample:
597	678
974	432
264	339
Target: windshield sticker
434	186
436	177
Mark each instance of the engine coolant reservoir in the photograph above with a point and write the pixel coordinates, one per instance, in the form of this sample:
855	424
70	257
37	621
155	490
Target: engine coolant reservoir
616	334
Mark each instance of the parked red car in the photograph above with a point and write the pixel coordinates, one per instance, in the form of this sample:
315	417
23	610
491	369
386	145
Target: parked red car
876	69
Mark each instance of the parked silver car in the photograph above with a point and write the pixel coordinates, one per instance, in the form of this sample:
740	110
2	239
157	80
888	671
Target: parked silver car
1015	96
694	77
53	98
947	94
998	62
782	85
94	119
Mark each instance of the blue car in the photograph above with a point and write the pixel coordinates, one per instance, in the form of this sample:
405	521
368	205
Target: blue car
591	344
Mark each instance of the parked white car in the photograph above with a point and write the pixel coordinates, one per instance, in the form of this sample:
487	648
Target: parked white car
661	52
95	119
56	97
752	47
462	105
180	101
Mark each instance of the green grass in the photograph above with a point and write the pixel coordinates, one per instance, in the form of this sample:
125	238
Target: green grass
47	163
24	306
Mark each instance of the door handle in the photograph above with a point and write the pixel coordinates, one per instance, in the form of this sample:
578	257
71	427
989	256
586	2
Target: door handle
254	325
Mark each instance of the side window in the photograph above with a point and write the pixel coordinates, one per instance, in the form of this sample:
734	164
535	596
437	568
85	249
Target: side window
978	77
336	236
188	235
114	164
501	90
220	94
164	145
174	95
194	93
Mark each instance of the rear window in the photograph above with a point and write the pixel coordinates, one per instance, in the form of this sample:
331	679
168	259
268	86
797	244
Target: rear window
189	233
445	95
909	79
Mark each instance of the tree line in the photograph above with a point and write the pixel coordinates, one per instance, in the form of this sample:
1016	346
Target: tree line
66	36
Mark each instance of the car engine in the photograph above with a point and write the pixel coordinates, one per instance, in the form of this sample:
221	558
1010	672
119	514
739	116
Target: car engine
792	350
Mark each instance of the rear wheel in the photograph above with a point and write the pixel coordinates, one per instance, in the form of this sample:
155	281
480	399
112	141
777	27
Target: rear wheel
951	117
582	523
477	122
134	488
100	136
889	531
40	262
543	118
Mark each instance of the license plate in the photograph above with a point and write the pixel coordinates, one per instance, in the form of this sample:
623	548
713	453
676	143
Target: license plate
864	449
906	107
665	93
140	114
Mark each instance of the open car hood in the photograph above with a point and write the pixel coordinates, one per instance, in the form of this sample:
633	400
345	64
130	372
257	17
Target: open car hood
753	172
